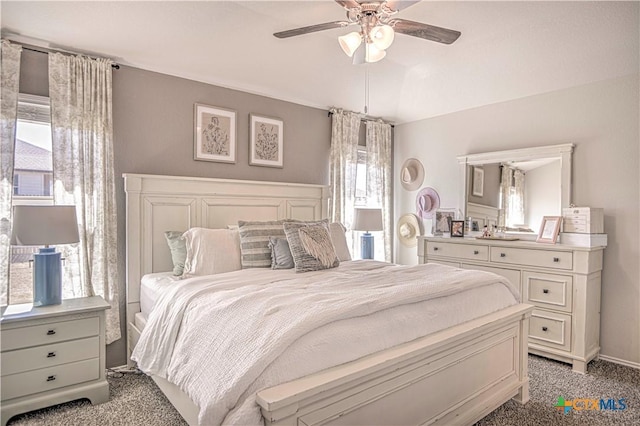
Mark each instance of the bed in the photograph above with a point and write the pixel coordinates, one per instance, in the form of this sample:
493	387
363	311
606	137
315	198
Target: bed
456	374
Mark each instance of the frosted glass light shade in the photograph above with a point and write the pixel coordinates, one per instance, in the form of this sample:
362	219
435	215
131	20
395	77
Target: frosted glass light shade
382	36
350	42
374	54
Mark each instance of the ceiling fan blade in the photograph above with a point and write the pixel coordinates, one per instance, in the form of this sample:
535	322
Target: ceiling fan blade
311	29
428	32
400	4
348	4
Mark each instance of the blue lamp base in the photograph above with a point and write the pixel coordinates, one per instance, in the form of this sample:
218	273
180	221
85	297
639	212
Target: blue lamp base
47	277
366	247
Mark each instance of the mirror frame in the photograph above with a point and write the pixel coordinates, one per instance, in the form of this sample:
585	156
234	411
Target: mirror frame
562	152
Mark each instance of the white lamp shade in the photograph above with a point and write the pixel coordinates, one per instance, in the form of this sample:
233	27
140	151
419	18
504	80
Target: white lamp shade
368	220
373	54
382	36
350	42
44	225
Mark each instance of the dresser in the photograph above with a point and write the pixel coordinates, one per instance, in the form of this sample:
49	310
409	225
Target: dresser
562	282
52	354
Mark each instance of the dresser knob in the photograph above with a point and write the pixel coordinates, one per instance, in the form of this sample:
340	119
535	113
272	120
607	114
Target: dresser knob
545	291
503	255
51	332
435	249
544	328
51	378
51	355
556	259
476	252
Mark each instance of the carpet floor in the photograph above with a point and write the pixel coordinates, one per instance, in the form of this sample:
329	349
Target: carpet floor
135	400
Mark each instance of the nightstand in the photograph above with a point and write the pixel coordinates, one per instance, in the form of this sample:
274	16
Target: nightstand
52	354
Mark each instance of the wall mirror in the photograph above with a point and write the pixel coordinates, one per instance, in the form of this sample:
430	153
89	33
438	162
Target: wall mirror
514	189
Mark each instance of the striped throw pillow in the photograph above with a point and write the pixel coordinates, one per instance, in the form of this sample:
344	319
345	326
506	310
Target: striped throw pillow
254	241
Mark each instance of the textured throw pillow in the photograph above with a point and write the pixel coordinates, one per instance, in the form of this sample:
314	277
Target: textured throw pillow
178	248
254	241
281	257
311	246
211	251
337	231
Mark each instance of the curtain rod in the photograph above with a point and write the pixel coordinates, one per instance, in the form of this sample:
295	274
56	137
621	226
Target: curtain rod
49	50
329	114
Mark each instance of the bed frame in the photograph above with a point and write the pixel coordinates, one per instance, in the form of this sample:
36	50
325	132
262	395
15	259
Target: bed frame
455	376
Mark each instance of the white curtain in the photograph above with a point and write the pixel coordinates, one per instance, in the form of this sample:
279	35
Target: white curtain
81	123
378	139
10	75
345	128
512	197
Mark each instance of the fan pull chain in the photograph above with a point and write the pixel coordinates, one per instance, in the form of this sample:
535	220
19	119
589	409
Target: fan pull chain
366	91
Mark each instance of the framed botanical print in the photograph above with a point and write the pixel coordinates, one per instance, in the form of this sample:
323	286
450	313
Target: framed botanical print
214	134
266	147
478	181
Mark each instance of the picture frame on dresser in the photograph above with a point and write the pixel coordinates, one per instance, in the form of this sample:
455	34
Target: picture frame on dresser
549	229
214	134
442	221
457	228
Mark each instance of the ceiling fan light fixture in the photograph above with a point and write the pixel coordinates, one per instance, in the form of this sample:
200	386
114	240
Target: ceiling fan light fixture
373	54
382	36
350	42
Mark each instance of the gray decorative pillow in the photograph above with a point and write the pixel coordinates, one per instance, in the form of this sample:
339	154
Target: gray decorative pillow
254	242
281	257
178	247
311	246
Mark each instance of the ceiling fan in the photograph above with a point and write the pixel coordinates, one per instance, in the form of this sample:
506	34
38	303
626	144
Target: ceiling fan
377	28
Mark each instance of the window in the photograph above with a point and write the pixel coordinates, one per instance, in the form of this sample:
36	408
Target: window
32	183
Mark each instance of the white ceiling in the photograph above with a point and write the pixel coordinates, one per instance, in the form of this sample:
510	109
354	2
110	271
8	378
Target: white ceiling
507	50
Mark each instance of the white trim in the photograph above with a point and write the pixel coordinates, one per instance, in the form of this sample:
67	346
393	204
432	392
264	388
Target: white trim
619	361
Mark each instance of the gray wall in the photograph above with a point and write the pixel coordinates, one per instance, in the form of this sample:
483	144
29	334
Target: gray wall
490	189
153	134
601	119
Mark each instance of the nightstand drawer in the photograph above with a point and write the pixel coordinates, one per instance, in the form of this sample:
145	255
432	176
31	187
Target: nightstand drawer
550	329
541	258
22	360
548	290
31	382
459	251
36	335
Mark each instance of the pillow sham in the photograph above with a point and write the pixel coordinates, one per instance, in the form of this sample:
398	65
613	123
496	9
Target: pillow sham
254	241
211	251
178	249
311	246
337	232
281	257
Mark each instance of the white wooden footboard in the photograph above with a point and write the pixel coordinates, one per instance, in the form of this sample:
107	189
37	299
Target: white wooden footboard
456	376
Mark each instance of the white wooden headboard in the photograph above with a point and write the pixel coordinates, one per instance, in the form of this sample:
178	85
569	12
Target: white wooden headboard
156	204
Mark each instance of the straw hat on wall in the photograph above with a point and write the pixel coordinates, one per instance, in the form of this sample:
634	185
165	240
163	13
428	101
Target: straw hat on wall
409	230
412	174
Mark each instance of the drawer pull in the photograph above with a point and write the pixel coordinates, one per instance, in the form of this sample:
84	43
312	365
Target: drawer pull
51	355
435	249
476	252
545	291
503	255
51	378
544	328
51	332
556	259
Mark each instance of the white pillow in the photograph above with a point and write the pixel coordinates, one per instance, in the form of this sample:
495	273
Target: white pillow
337	232
211	251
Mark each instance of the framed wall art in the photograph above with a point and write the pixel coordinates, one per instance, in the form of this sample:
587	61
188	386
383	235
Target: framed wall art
214	134
478	181
549	229
266	146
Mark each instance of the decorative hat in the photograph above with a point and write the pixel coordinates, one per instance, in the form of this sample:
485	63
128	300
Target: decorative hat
412	174
409	230
427	201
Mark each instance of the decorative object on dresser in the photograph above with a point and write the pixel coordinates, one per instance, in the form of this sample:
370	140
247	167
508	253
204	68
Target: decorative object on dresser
367	220
457	228
214	136
427	201
442	222
583	220
549	229
412	174
52	354
45	225
267	141
562	281
409	230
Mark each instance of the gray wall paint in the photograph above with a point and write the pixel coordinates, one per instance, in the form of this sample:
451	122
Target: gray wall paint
490	189
601	119
153	134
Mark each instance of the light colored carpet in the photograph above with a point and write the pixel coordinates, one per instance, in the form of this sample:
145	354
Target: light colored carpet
135	400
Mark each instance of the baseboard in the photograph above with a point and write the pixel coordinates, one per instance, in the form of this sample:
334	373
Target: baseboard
631	364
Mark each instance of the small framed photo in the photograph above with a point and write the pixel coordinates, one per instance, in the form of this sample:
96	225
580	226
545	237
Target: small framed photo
266	147
457	228
478	181
549	229
214	136
442	221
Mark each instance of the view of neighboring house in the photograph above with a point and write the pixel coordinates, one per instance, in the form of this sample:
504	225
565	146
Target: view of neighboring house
33	176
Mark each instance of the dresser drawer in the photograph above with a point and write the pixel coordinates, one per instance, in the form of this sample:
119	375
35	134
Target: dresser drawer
531	257
36	335
459	251
45	379
548	290
550	329
22	360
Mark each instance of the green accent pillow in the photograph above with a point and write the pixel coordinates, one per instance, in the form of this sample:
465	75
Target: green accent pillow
178	247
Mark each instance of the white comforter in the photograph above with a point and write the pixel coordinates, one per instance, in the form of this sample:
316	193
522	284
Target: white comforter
224	337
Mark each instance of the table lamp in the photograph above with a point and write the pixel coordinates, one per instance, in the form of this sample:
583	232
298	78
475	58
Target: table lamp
45	225
367	220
